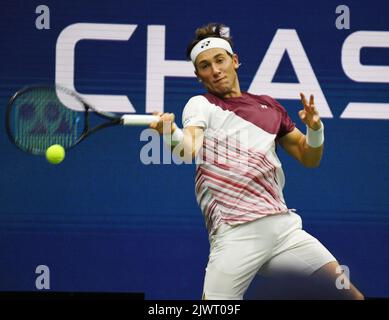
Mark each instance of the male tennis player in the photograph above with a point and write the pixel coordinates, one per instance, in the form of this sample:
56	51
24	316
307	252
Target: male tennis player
239	179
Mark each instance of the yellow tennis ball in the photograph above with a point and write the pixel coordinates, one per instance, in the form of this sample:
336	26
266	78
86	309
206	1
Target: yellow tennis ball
55	154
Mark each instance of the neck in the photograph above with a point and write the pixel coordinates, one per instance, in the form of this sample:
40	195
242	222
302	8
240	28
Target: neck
234	93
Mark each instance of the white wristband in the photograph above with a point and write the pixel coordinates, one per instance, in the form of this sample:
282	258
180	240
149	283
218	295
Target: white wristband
315	138
175	138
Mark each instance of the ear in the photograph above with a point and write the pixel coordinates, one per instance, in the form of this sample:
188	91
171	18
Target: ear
235	61
197	76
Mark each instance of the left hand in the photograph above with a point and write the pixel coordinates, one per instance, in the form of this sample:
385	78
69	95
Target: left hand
309	115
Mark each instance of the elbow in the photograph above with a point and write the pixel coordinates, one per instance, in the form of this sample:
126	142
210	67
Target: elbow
315	165
312	159
311	164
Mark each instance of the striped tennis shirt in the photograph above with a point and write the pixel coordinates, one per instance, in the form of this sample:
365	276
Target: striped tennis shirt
239	177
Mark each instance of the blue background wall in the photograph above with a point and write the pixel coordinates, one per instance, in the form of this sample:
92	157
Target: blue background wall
103	221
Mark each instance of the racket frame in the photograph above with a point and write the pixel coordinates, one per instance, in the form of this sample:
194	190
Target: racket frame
86	132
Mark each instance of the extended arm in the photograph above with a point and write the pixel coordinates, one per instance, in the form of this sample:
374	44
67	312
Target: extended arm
307	149
184	143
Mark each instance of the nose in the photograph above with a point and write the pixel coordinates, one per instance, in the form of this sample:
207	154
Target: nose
215	70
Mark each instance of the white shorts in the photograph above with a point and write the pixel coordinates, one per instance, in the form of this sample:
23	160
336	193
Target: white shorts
265	246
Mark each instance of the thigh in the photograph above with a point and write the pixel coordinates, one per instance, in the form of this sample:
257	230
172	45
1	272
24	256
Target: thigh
299	253
288	272
336	282
236	255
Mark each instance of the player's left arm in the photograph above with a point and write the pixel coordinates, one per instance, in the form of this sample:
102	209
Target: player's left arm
295	142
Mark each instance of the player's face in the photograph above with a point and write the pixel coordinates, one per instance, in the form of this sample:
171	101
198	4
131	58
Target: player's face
217	70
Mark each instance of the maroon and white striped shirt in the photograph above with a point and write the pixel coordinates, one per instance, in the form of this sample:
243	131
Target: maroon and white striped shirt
238	174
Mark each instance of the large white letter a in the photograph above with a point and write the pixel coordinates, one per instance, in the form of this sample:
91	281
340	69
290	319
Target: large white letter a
287	40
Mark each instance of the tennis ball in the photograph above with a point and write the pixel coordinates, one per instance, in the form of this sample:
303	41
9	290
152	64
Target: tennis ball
55	154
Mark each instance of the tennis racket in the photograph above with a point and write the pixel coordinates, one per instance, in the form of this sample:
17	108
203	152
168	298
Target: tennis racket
40	116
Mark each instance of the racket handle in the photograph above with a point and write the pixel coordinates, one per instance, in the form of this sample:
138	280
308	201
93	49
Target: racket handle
138	119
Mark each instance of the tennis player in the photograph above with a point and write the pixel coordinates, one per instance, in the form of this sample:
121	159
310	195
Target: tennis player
239	179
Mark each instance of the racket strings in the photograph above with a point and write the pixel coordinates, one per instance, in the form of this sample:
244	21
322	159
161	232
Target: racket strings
39	120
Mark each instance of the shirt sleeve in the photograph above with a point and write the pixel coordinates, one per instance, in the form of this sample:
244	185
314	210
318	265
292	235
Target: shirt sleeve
286	123
196	112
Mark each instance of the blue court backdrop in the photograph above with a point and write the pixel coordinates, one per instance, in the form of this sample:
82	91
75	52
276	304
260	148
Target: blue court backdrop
104	221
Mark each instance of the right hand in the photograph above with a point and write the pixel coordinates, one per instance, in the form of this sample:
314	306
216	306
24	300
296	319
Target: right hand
165	125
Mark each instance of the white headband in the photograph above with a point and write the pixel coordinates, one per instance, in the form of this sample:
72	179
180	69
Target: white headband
209	43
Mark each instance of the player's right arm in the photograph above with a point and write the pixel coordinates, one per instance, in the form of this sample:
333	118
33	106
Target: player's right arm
192	139
192	143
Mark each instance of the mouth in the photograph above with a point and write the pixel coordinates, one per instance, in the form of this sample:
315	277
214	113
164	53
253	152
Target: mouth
219	80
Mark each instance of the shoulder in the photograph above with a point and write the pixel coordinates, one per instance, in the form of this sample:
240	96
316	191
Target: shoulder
198	98
197	112
269	101
197	101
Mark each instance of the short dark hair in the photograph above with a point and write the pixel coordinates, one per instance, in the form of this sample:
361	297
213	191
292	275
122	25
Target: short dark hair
210	30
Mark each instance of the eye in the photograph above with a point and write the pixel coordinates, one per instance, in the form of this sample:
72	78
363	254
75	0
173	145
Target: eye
220	59
204	66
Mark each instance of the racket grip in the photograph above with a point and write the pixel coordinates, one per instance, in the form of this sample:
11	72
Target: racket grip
138	119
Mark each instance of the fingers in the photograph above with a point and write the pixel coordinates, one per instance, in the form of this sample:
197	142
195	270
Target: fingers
154	124
167	117
311	102
165	122
309	107
303	99
302	115
309	115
